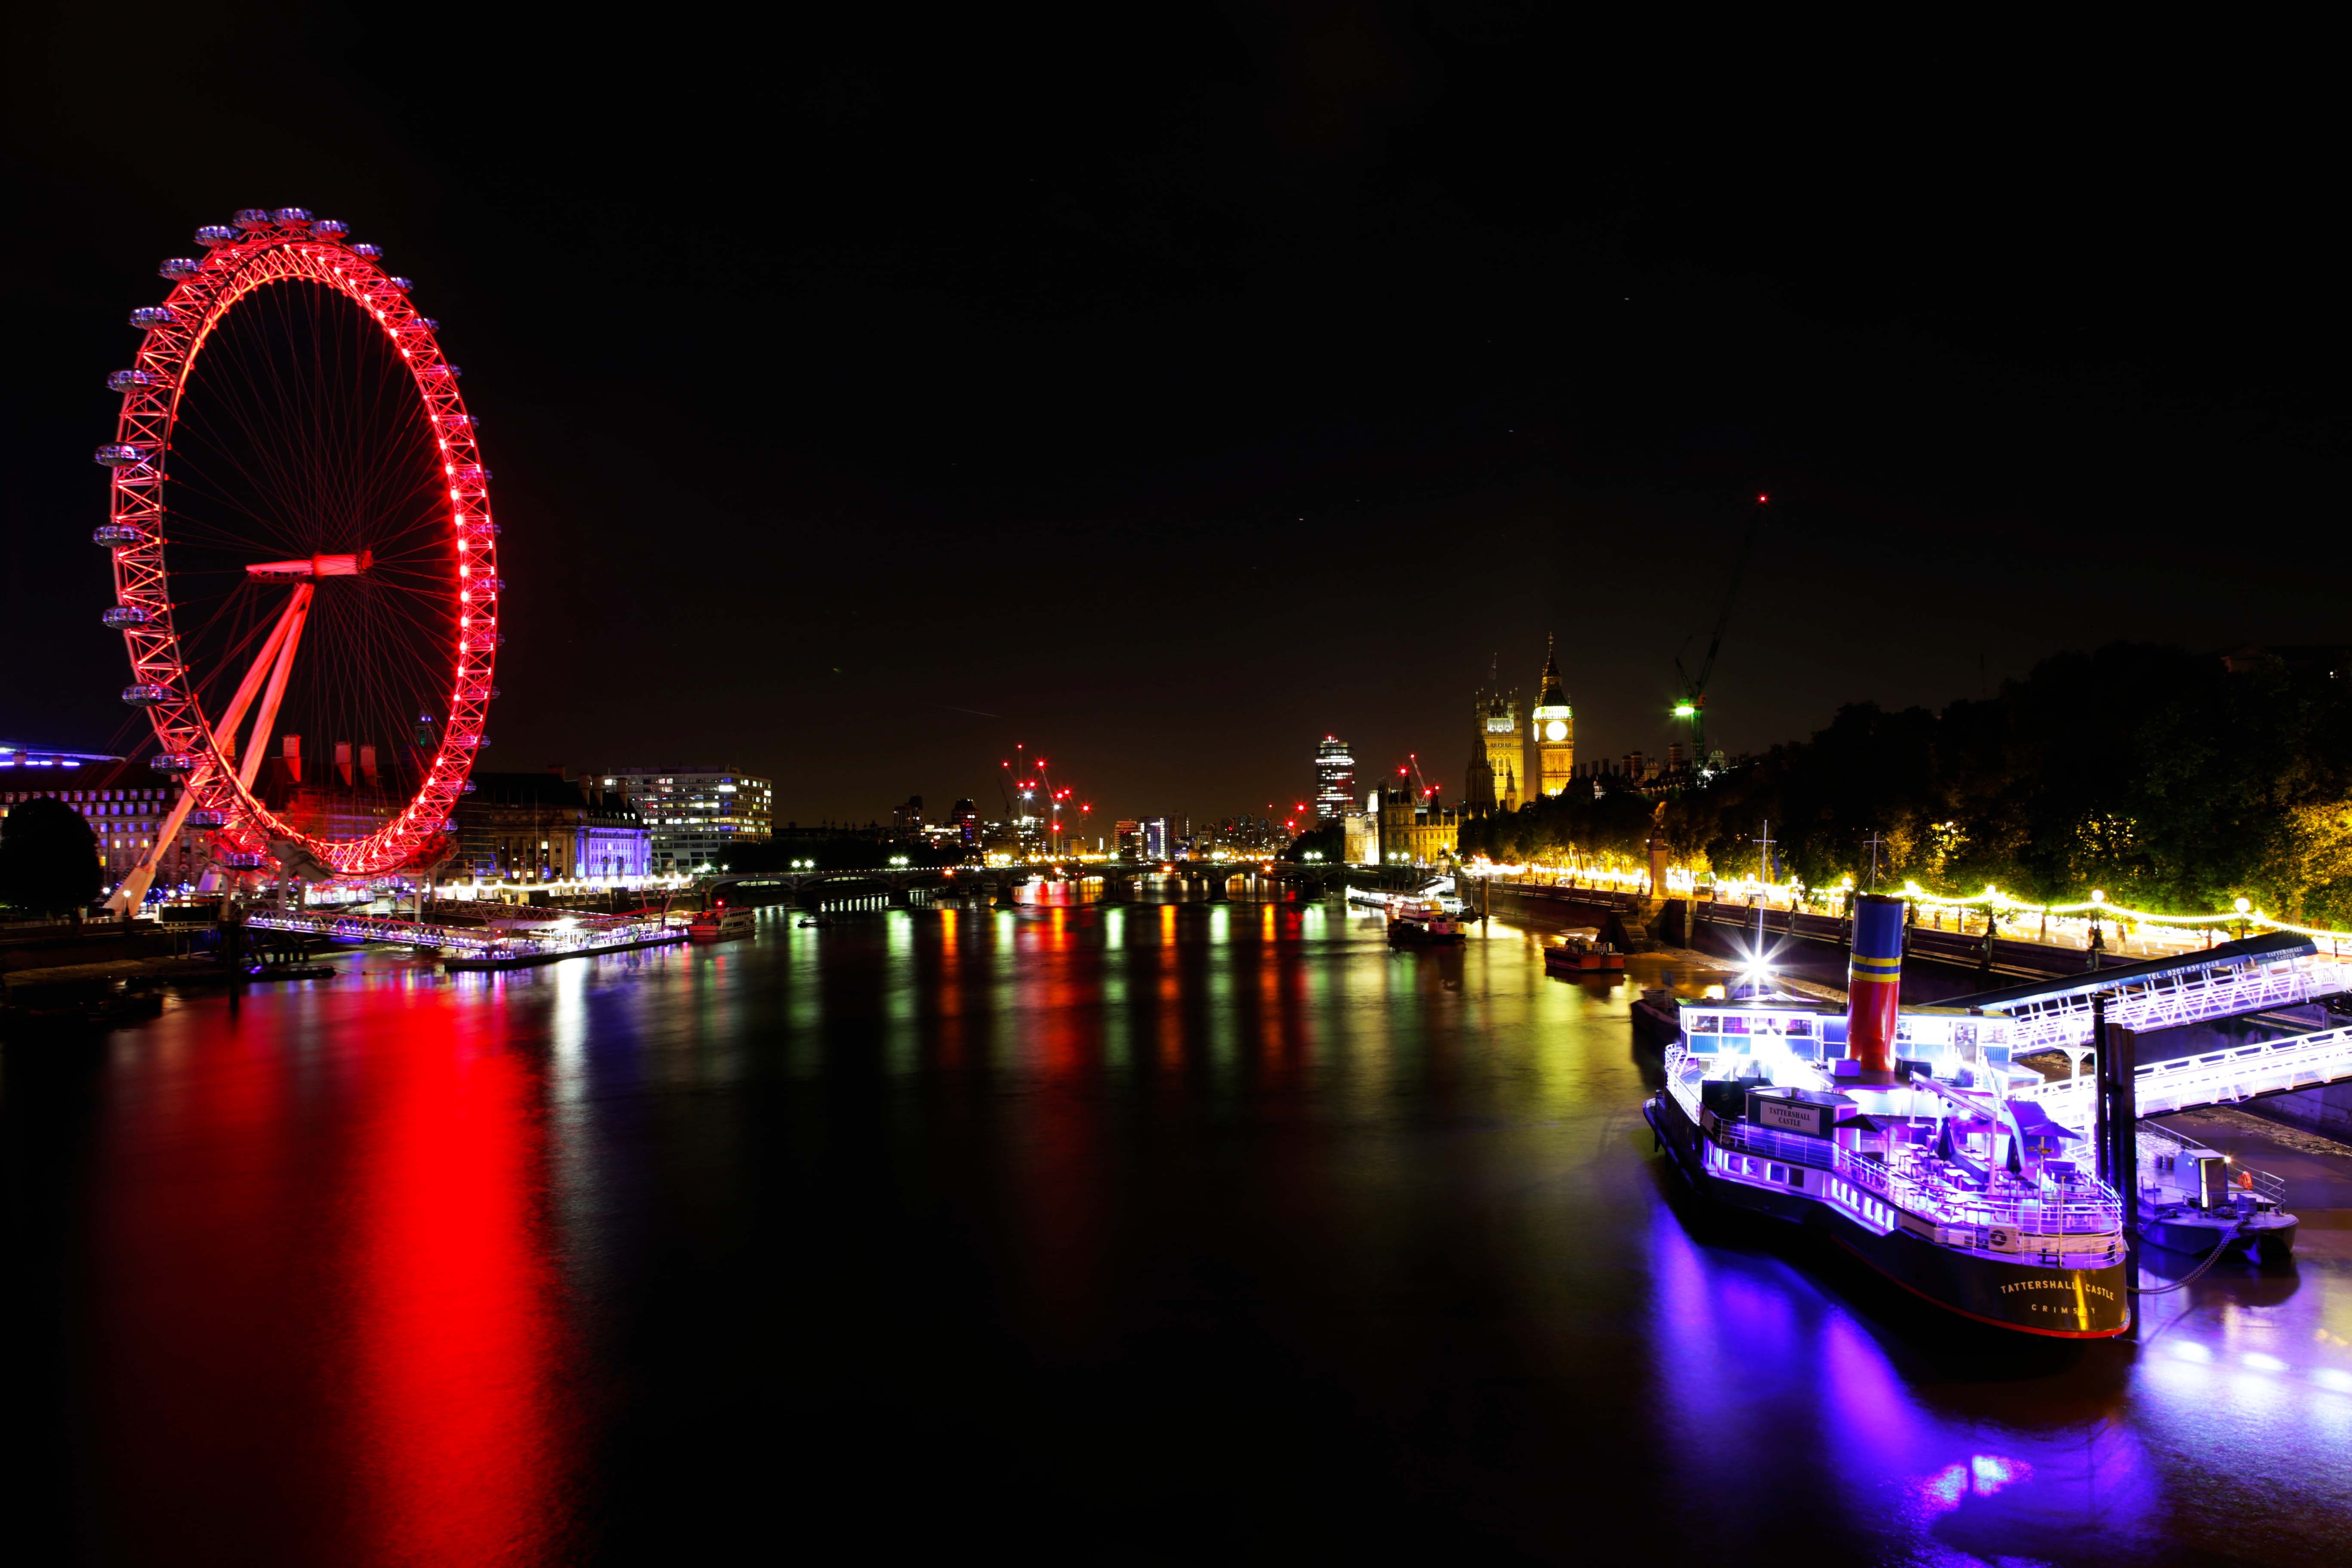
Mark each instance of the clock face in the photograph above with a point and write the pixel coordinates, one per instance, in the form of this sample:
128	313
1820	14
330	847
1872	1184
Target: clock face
1555	730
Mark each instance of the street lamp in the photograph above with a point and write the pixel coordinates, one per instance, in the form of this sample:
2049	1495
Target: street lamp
2243	907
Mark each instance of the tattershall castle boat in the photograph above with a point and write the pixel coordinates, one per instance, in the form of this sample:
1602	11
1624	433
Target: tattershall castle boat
1892	1131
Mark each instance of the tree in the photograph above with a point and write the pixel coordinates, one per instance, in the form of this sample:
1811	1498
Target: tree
1329	841
49	857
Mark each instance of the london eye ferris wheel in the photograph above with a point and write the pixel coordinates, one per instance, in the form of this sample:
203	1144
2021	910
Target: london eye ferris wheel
305	565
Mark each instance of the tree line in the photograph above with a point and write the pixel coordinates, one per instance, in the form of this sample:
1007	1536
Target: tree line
2158	775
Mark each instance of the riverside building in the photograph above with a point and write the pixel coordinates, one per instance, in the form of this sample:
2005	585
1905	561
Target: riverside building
696	815
1554	723
1335	781
125	802
1417	831
542	828
1498	759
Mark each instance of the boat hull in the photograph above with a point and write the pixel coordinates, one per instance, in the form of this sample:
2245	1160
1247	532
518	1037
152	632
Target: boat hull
2054	1302
2271	1242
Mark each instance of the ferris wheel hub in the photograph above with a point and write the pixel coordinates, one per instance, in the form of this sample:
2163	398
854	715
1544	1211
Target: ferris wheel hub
316	566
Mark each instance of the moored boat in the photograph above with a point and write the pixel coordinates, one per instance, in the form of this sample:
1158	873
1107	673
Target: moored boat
1891	1131
721	924
2193	1200
1422	923
1582	952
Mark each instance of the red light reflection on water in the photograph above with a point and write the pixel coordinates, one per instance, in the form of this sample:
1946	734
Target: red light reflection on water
454	1310
324	1324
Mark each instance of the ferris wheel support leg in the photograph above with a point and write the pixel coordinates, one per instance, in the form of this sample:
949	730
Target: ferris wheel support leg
276	661
296	613
225	735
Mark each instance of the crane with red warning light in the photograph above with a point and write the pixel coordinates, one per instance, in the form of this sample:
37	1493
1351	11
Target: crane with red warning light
1034	805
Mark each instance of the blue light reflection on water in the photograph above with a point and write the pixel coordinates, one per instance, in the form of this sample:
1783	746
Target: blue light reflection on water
1255	1213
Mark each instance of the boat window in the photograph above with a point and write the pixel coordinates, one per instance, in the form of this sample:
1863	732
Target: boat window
1735	1024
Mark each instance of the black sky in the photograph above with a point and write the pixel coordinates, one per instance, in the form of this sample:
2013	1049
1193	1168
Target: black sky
867	395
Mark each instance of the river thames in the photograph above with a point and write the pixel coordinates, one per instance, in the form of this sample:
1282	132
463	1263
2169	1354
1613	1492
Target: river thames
1149	1233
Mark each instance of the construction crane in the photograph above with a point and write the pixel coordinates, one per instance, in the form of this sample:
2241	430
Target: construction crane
1693	706
1035	798
1421	788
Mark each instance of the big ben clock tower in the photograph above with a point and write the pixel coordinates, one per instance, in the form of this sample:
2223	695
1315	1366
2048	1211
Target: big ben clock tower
1554	726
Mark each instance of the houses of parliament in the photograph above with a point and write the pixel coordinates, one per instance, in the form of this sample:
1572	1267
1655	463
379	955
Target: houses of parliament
1506	757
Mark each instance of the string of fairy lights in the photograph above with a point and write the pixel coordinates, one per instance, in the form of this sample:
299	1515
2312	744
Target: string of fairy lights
2099	908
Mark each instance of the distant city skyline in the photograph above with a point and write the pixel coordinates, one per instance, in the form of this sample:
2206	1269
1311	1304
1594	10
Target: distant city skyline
1089	446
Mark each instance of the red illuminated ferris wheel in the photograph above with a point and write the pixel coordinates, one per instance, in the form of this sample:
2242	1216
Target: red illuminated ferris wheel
305	567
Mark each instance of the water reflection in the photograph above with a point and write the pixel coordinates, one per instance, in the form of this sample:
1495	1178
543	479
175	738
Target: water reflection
1222	1215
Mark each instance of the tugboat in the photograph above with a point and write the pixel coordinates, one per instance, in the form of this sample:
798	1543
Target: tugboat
721	924
1580	952
1891	1129
1422	923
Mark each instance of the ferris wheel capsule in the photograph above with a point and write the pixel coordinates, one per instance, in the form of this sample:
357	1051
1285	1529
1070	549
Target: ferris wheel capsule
419	324
122	454
146	695
373	252
295	216
178	267
180	763
147	317
123	615
330	229
214	233
133	380
404	284
251	218
113	533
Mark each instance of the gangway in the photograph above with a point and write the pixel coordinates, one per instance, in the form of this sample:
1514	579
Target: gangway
2281	970
478	944
2216	1078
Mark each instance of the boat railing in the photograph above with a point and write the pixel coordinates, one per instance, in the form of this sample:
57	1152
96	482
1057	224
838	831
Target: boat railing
2157	1141
2092	1209
481	941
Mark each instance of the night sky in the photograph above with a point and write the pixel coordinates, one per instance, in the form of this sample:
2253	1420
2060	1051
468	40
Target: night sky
863	401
